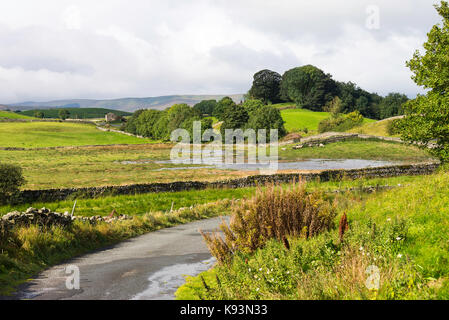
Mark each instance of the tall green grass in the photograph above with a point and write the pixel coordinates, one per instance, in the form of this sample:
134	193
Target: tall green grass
402	233
138	204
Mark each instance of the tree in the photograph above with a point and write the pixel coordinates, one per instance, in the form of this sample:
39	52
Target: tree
266	86
146	123
39	114
205	107
334	107
268	117
221	106
308	86
391	105
235	117
63	114
252	105
177	114
11	179
131	124
206	123
427	117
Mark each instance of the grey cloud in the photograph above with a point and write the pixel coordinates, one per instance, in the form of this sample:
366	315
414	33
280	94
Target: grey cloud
241	57
160	47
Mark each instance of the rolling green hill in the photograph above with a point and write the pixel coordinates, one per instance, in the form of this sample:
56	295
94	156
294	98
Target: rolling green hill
76	113
12	115
299	119
51	134
378	128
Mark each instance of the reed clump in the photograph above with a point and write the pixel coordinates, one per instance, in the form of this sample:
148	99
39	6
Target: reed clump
273	213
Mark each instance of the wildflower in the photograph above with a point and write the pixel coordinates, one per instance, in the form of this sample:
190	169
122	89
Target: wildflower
388	219
249	269
399	255
361	248
398	238
260	269
257	289
275	259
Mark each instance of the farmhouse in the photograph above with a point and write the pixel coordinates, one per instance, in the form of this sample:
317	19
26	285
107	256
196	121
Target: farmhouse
111	117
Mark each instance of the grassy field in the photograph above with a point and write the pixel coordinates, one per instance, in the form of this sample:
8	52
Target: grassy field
13	115
379	128
140	204
101	166
51	134
297	120
77	113
359	149
402	233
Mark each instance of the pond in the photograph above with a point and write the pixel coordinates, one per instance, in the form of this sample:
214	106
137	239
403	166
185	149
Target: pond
311	164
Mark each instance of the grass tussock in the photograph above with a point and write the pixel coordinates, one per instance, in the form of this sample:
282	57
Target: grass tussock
273	213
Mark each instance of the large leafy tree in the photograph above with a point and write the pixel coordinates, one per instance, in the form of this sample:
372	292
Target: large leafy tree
266	86
146	122
235	117
268	117
252	105
308	86
353	98
221	107
427	116
178	113
205	106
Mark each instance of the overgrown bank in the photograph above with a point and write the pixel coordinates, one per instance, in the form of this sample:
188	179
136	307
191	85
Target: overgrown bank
395	247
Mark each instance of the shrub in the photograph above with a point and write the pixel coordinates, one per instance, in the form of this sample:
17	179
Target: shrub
274	213
341	122
11	179
393	127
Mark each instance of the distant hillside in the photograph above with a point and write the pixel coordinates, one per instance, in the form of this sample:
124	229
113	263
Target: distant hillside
76	113
124	104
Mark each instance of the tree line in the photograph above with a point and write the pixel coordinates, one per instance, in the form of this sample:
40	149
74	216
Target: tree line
311	88
251	114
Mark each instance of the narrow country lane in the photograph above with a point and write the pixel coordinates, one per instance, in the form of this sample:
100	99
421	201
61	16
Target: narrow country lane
150	266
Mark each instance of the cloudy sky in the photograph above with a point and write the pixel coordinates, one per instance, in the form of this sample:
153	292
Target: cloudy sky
139	48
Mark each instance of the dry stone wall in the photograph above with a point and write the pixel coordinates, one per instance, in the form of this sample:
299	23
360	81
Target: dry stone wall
49	195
